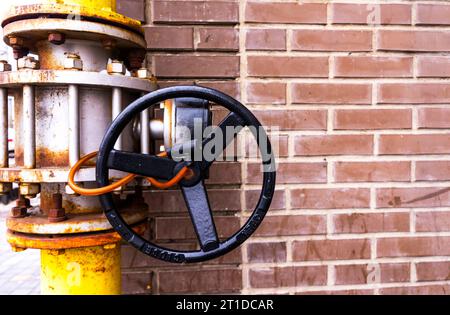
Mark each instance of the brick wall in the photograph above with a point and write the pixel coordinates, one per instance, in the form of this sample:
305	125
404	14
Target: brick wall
361	93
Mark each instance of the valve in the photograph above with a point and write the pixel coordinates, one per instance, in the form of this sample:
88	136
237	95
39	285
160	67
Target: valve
193	187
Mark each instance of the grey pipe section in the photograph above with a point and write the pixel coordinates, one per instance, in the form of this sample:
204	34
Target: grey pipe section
74	125
145	132
116	109
4	161
29	129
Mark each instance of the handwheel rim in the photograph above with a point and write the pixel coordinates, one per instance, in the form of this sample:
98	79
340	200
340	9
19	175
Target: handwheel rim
147	247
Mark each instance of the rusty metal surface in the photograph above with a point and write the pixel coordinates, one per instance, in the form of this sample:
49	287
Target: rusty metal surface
38	29
66	77
21	240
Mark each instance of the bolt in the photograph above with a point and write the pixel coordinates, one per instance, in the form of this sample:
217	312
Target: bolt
57	38
16	42
73	62
20	52
29	190
135	59
28	62
23	202
18	211
116	67
109	43
4	66
57	212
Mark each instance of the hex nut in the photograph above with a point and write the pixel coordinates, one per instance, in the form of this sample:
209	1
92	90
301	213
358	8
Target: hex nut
5	66
29	189
116	67
73	62
19	212
57	38
144	73
16	41
28	62
56	215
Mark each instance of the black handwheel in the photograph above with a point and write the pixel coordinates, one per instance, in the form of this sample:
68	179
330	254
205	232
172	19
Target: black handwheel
194	190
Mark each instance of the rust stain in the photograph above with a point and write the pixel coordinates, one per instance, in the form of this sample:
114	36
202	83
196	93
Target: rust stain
47	158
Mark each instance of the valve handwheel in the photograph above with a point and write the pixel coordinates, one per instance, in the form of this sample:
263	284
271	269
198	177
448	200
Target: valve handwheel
193	188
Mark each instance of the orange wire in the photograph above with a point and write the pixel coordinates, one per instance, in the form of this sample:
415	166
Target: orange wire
107	189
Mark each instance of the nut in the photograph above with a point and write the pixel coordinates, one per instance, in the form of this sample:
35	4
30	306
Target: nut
73	62
144	73
56	215
5	188
116	67
18	212
109	43
29	190
16	42
20	52
28	62
57	38
4	66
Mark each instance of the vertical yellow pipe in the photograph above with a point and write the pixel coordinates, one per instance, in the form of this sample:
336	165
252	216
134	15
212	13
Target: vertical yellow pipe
81	271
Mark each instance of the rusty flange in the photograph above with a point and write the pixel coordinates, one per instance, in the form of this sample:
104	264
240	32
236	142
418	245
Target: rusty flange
23	241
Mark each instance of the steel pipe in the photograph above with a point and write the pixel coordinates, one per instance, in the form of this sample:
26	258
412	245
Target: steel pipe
4	128
116	109
74	125
29	128
145	132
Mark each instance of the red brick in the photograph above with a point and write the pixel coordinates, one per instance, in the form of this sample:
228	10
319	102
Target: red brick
372	172
265	39
320	250
332	40
169	38
333	198
435	221
433	271
217	39
432	170
433	118
171	228
137	283
333	145
373	67
347	13
132	8
266	93
266	252
200	281
278	277
172	200
278	201
371	222
196	66
412	197
414	93
291	225
225	173
296	13
372	119
293	119
433	66
370	274
279	67
414	144
413	246
231	88
433	14
291	173
196	12
417	290
338	292
279	146
331	93
407	40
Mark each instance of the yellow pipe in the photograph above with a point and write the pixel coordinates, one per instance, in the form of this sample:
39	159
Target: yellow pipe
109	5
81	271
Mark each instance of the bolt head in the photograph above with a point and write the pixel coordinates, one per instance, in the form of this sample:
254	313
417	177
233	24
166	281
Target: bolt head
28	63
57	38
19	212
29	189
4	66
16	41
73	62
144	73
116	67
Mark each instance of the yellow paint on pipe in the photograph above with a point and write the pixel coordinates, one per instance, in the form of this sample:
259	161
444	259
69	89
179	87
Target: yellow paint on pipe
81	271
109	5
